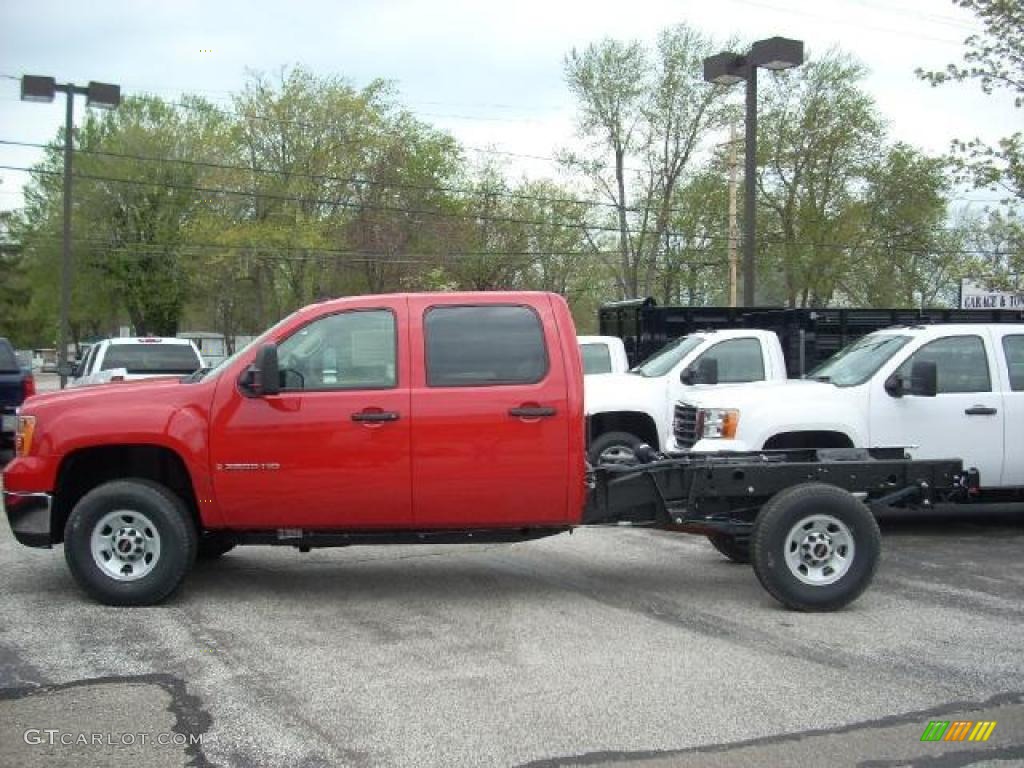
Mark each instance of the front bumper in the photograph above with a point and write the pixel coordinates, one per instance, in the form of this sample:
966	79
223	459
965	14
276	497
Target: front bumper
713	445
29	516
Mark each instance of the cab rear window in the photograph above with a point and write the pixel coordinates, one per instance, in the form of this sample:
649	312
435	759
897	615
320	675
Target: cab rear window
151	358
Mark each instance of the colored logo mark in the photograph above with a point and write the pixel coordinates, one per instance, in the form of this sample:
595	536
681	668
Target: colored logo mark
958	730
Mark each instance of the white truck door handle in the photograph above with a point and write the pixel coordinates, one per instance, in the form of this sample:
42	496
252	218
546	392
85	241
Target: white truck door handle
980	410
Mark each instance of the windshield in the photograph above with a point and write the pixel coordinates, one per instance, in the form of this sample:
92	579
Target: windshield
665	359
227	361
857	362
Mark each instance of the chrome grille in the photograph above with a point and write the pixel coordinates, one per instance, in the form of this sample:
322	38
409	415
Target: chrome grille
684	425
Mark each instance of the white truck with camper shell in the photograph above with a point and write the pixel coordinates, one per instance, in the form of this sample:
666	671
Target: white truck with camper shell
133	358
939	391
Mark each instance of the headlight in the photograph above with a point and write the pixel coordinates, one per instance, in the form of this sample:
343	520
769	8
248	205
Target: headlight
718	422
23	437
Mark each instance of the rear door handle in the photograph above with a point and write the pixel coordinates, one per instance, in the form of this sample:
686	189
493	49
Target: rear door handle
375	416
980	410
532	412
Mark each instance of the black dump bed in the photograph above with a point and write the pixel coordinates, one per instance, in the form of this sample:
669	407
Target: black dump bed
808	336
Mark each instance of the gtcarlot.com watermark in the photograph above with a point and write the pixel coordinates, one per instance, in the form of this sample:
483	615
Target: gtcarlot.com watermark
55	737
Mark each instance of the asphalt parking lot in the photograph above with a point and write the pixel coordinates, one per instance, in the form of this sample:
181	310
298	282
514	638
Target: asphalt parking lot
606	647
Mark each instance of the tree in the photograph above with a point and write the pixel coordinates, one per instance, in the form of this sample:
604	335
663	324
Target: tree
651	108
994	58
818	135
906	257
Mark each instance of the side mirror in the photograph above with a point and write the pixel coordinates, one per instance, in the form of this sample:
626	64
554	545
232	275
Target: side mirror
704	371
924	379
262	377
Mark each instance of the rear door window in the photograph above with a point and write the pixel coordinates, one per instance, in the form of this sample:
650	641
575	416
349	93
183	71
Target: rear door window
152	358
484	346
1013	346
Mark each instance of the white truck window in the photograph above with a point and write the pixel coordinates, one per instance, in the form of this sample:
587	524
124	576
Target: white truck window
961	363
596	358
739	360
1013	346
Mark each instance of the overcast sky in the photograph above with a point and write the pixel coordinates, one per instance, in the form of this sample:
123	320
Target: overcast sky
488	72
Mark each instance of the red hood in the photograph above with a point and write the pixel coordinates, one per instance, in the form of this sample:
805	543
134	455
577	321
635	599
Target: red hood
167	386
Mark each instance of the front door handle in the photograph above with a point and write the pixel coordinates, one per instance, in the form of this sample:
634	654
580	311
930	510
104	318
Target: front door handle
980	410
532	412
374	417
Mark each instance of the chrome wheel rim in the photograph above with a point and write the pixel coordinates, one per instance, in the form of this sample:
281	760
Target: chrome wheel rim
125	545
819	550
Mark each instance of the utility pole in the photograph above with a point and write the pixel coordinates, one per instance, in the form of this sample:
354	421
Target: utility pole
734	230
105	96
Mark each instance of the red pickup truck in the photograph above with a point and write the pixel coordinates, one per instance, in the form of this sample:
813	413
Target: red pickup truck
406	419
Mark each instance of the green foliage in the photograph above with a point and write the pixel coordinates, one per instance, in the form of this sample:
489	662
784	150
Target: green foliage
994	58
192	215
819	133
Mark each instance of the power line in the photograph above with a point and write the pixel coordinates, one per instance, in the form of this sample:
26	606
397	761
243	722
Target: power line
347	204
477	217
328	177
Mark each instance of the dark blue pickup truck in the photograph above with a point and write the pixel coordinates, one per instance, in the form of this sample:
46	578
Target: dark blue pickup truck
15	385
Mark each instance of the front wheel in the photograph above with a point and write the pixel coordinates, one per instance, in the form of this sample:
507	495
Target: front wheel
129	542
815	547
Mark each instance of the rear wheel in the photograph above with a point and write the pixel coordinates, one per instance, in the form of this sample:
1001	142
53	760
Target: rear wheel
614	448
129	542
815	547
733	547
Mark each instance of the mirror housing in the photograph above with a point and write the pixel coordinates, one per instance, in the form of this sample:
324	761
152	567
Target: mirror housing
262	378
705	372
924	381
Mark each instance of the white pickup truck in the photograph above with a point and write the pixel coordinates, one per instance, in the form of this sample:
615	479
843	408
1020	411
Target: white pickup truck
939	391
130	358
625	410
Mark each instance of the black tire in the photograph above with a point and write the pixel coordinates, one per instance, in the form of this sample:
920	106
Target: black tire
735	548
211	546
166	518
622	444
808	505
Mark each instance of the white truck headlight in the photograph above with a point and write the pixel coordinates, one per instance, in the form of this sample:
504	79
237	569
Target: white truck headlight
720	423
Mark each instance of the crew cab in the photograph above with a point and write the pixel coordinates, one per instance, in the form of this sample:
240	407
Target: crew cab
938	391
133	358
16	384
630	409
603	354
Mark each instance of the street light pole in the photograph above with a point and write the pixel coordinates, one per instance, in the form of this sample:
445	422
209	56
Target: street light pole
749	189
727	68
103	95
65	263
